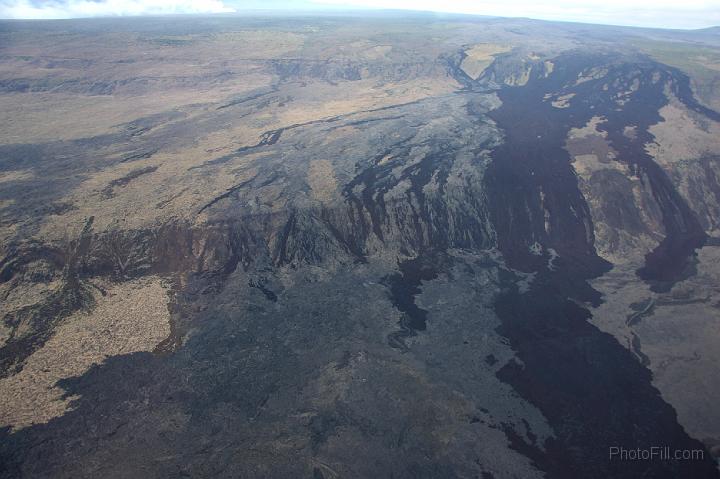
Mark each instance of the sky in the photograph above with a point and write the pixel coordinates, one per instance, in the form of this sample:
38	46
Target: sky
648	13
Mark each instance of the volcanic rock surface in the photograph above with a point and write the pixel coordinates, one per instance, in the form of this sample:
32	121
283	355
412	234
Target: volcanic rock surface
408	247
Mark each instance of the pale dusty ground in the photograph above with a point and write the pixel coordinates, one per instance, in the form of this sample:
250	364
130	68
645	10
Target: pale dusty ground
680	340
479	57
15	175
687	147
132	317
549	67
521	78
182	192
680	137
149	75
700	62
707	62
321	178
563	101
587	157
586	165
362	50
593	73
594	155
45	116
591	153
13	299
590	129
186	74
680	334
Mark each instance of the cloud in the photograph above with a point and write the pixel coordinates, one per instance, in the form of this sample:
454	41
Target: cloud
649	13
103	8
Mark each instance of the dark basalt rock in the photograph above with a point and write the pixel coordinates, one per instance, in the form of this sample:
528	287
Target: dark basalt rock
568	366
312	339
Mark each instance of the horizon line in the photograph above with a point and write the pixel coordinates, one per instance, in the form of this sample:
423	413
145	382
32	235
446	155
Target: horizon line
339	11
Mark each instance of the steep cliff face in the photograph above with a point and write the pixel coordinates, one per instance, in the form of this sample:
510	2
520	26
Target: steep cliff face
390	257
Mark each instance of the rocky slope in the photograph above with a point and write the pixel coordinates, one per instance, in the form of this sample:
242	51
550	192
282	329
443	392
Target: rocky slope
353	248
